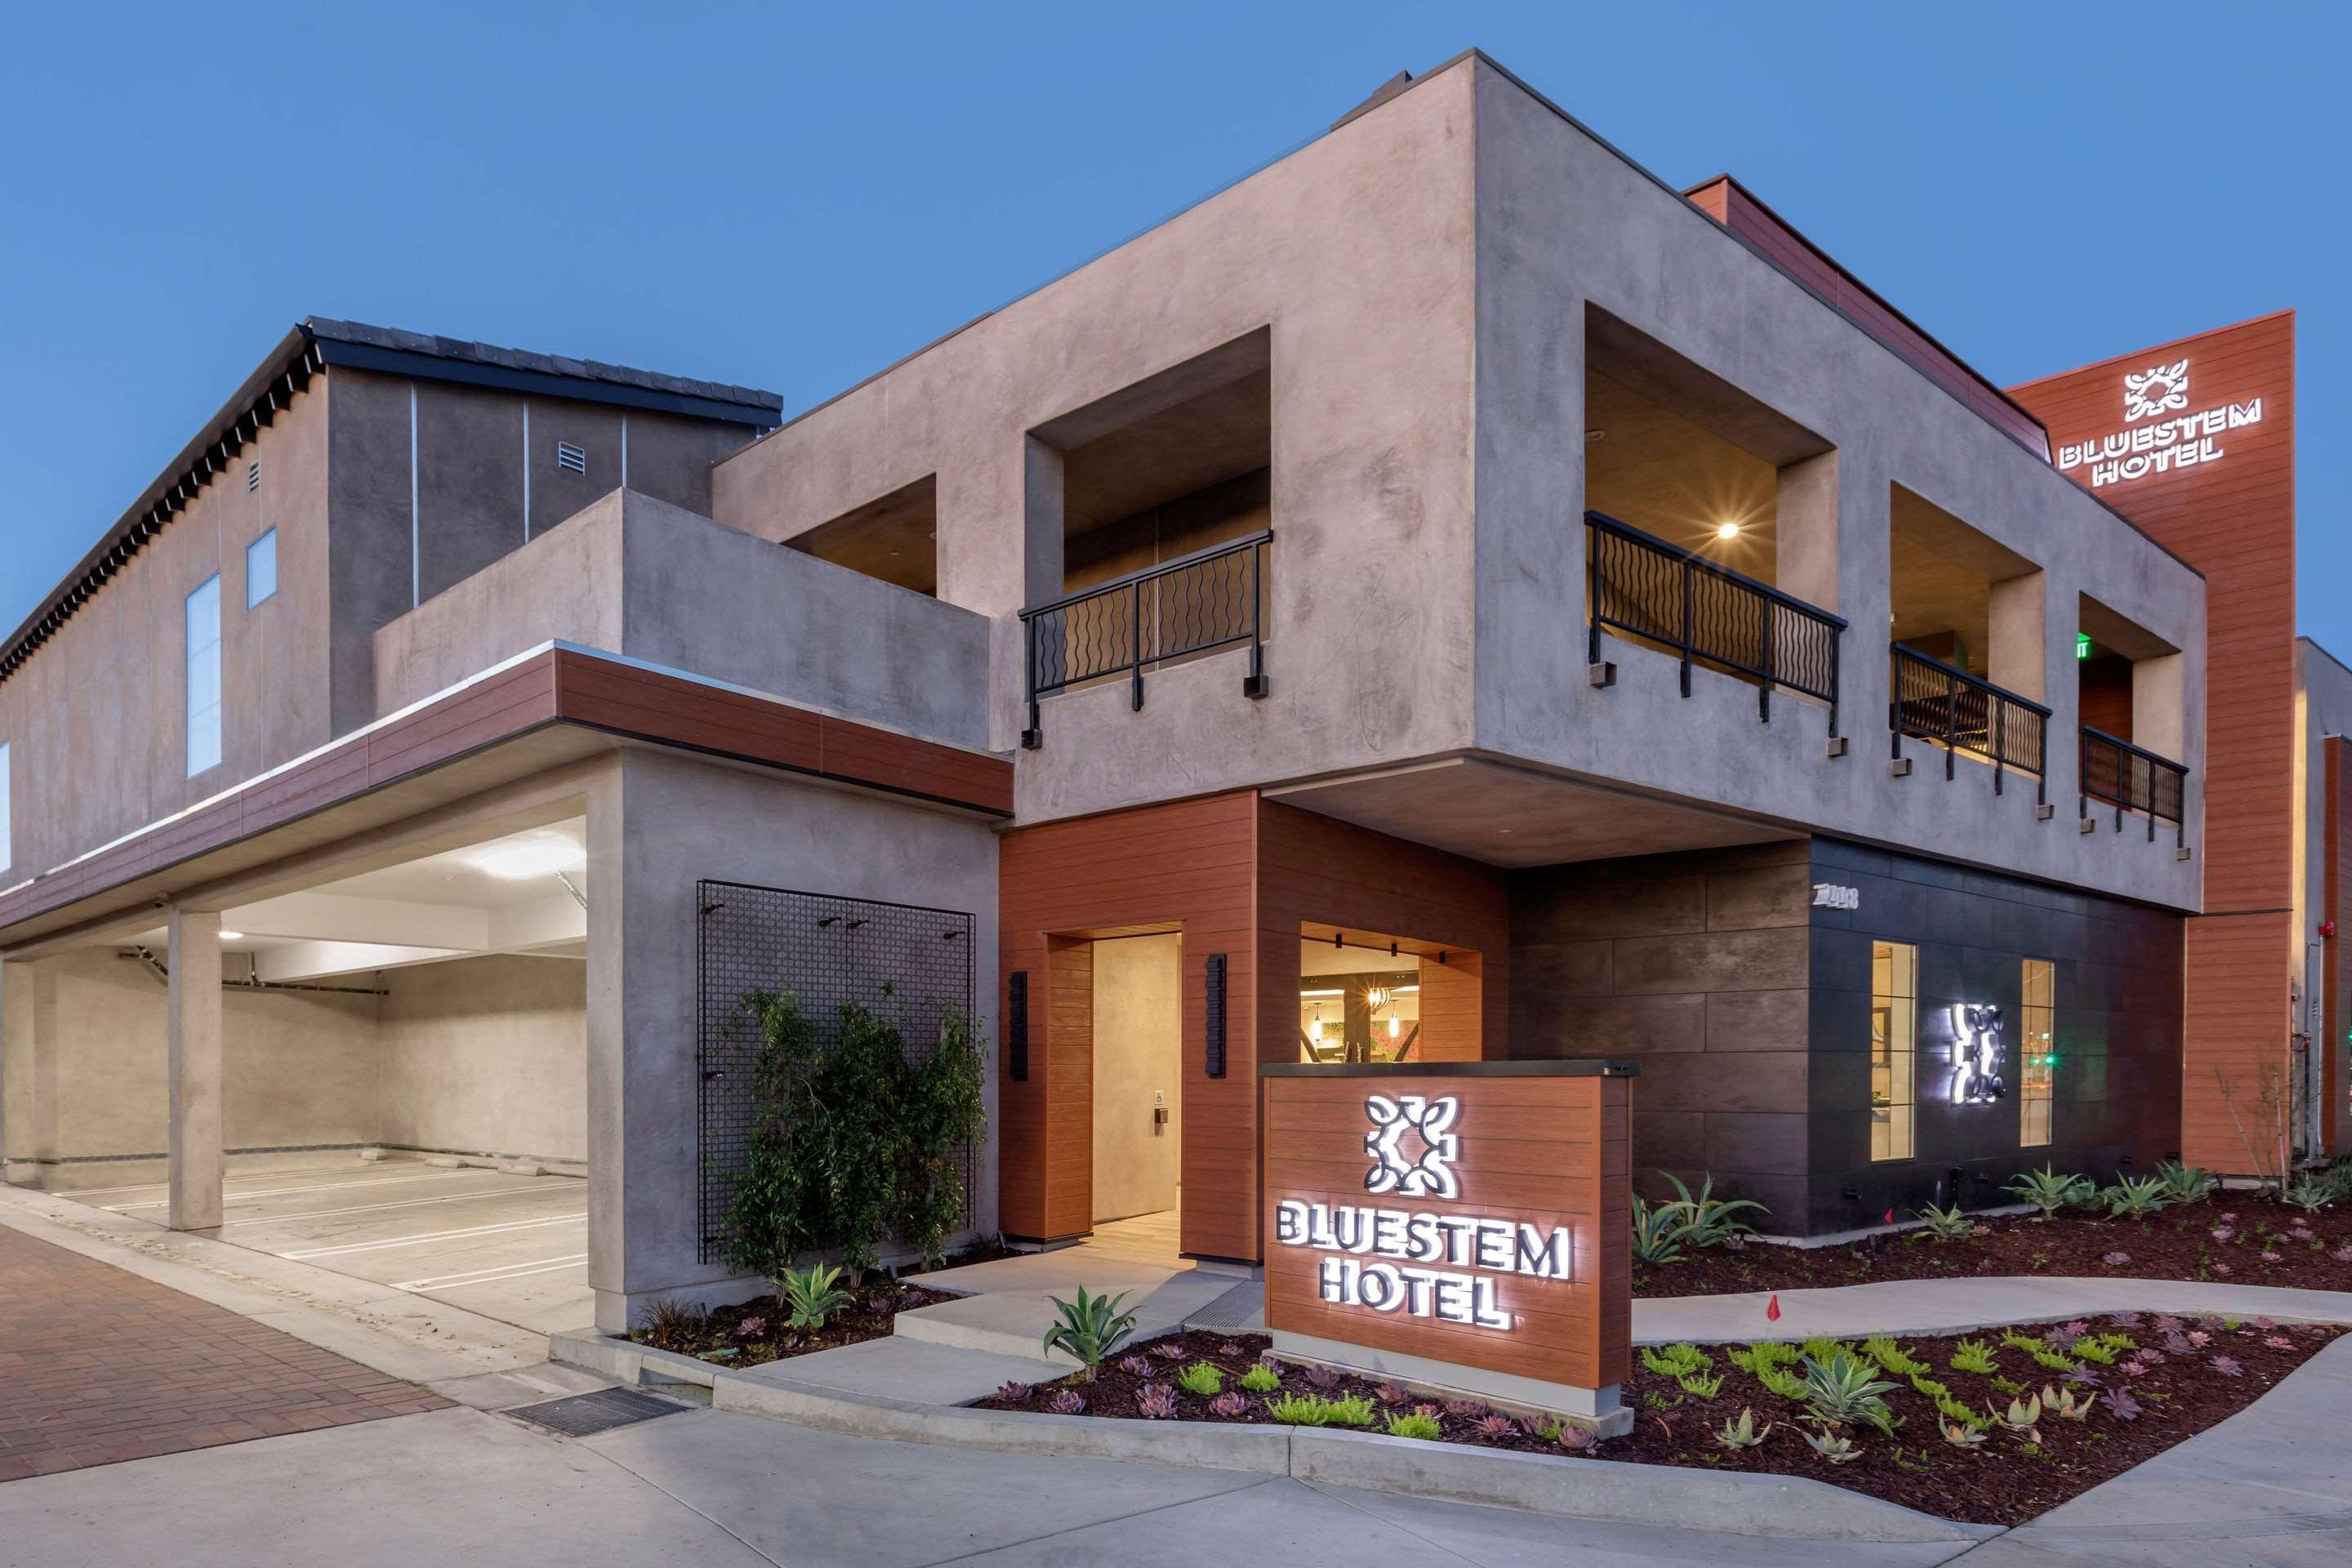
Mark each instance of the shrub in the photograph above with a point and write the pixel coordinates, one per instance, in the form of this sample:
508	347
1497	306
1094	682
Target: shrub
1948	1224
1261	1379
670	1324
2136	1197
1842	1389
2187	1183
1662	1231
1202	1379
811	1296
1657	1232
1413	1424
852	1139
2048	1191
1090	1330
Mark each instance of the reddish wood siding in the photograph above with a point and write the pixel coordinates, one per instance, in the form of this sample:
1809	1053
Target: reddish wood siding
2234	521
1549	1151
2337	798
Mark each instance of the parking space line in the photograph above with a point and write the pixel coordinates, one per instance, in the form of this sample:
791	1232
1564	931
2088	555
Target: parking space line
80	1193
498	1229
490	1276
552	1184
320	1187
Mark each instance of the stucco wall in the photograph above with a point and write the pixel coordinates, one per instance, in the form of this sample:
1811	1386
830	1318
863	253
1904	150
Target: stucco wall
1138	1048
657	823
486	1055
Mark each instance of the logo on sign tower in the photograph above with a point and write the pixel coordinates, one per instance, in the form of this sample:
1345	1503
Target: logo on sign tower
1429	1173
2158	389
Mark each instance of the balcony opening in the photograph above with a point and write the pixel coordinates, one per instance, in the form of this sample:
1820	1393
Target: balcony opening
1967	634
1149	512
1711	519
893	537
2128	697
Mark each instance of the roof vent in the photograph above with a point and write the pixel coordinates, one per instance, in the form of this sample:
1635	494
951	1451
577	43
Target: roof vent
253	475
568	455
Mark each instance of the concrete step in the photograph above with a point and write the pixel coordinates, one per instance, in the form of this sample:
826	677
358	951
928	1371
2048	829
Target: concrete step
1014	1323
911	1370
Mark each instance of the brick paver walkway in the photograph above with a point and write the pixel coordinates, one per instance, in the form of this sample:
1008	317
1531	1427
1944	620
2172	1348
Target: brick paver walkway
98	1365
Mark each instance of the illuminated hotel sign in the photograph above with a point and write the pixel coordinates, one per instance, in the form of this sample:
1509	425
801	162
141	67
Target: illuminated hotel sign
1424	1264
2161	433
1979	1054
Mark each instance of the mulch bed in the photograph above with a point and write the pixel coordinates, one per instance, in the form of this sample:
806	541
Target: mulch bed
2007	1480
2237	1239
753	1333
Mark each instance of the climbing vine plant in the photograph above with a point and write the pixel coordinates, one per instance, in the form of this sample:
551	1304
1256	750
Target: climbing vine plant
852	1141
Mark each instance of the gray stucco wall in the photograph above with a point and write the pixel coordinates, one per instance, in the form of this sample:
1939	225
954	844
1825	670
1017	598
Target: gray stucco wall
486	1055
664	822
636	576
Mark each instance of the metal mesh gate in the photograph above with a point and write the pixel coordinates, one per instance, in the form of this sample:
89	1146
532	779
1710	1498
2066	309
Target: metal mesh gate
901	962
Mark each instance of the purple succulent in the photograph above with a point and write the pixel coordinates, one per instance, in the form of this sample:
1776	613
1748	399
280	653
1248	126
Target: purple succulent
2224	1233
1469	1409
1498	1427
2228	1367
1156	1402
2342	1254
2198	1339
2265	1324
879	1305
2115	1259
2221	1269
1322	1377
2120	1403
1578	1439
2125	1319
1230	1404
1138	1366
1172	1350
1229	1349
2150	1356
2084	1376
2229	1214
2178	1344
750	1328
2278	1341
2062	1338
2165	1323
1069	1401
1389	1394
1014	1392
2270	1256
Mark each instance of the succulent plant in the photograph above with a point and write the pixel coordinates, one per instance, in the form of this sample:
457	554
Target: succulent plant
2228	1366
1137	1366
1834	1447
2023	1418
1469	1409
1413	1424
750	1328
1498	1427
2278	1341
1156	1402
1261	1379
1576	1440
1959	1434
1230	1404
2176	1343
1202	1379
1322	1378
1389	1394
2065	1403
1229	1349
1068	1402
2221	1268
2114	1259
2264	1324
2165	1323
2198	1339
1168	1349
2270	1256
1014	1392
1742	1432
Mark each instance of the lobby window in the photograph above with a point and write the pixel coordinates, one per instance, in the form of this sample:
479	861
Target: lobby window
2038	1053
205	676
261	569
1893	1036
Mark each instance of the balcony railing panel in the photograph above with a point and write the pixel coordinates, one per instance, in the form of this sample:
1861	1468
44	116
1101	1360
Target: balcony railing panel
1209	599
2130	778
1936	701
1638	584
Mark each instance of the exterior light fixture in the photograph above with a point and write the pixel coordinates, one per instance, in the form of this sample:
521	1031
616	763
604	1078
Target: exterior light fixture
232	936
1727	530
2081	644
524	858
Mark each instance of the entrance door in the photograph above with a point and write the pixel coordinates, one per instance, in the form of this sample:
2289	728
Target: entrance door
1138	1075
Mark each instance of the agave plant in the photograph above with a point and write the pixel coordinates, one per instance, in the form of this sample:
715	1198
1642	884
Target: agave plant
1832	1446
1959	1434
2310	1196
1742	1432
2023	1418
1947	1224
1091	1329
1845	1387
811	1296
2048	1191
1709	1220
2187	1183
2136	1197
1658	1232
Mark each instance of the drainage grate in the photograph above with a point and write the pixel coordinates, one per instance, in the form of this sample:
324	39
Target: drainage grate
585	1414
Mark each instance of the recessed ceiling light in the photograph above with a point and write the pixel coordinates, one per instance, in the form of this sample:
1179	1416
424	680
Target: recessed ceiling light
1727	530
232	936
530	857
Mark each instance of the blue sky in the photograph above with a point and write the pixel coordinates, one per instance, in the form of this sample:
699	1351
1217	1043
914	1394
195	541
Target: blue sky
791	198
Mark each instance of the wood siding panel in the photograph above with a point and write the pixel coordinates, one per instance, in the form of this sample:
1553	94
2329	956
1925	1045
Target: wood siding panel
2233	519
1543	1150
2334	1132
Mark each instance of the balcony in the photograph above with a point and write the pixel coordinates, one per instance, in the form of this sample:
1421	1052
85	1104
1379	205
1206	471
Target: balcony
1707	615
1211	599
2130	778
1940	703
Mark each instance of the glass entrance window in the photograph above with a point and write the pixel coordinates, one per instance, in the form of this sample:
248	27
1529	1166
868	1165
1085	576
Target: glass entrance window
2037	1075
1894	1038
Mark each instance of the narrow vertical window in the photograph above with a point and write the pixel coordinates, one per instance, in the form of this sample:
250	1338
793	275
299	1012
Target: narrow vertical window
7	833
261	569
1894	1038
205	676
2037	1049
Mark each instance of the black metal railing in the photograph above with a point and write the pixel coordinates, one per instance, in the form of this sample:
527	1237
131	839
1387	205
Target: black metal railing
1639	583
2131	778
1936	702
1211	598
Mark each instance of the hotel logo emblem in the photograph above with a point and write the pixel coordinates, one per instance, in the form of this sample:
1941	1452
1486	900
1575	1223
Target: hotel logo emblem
1429	1172
2158	389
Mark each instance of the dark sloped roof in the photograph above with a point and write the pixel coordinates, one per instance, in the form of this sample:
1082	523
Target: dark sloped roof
319	342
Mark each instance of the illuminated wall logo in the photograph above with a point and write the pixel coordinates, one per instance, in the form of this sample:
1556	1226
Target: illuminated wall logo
1979	1054
2158	389
1419	1262
2156	438
1429	1174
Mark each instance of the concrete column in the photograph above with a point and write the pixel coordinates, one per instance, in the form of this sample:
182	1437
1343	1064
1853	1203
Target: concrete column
607	1061
195	1005
27	1082
2017	651
2160	714
1805	559
1044	519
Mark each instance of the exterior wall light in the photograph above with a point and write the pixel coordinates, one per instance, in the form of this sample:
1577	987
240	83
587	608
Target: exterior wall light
1727	530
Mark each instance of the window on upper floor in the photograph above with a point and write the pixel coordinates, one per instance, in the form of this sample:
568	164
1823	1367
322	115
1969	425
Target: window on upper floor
893	537
261	569
204	677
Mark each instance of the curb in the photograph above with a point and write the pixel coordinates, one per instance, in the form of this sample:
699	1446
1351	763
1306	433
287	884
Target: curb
1603	1491
1968	1306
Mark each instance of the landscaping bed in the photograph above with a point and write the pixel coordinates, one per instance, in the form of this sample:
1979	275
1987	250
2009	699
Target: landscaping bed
754	1333
2237	1239
2161	1380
